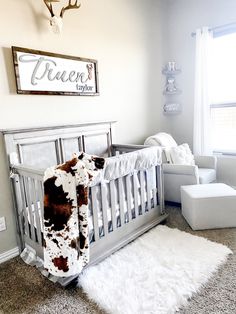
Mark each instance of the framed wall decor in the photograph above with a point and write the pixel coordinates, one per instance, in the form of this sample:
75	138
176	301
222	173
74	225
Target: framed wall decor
46	73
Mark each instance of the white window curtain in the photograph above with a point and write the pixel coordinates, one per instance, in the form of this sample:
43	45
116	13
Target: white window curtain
201	132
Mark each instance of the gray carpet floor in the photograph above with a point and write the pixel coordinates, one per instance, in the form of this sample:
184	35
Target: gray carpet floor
24	290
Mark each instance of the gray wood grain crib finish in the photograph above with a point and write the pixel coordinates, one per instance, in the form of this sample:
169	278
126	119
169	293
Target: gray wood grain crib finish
30	151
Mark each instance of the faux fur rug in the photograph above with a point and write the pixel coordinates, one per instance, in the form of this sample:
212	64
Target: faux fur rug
157	273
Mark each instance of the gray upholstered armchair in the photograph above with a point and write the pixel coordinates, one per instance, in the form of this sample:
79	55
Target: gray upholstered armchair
176	175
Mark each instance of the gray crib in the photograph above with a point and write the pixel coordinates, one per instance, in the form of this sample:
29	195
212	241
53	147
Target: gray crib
30	151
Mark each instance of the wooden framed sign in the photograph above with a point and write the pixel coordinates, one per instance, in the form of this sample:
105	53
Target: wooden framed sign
46	73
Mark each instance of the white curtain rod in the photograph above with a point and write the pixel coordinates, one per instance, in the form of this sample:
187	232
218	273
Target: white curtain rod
221	30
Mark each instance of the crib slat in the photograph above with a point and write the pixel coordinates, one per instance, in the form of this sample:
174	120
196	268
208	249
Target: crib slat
142	183
36	191
154	191
22	189
113	204
149	203
128	196
104	209
41	200
121	201
135	189
40	203
95	213
29	202
36	209
160	188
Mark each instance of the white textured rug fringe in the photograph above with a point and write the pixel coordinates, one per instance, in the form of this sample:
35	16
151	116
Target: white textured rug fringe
157	273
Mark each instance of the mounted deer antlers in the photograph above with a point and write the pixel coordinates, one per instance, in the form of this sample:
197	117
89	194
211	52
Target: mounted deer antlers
70	6
48	4
56	21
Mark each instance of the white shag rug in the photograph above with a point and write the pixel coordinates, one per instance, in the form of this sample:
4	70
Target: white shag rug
157	273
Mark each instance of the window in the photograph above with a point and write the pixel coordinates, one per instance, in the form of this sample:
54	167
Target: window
223	94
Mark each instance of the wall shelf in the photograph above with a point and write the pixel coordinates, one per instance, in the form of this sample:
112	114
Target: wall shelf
171	107
170	73
176	92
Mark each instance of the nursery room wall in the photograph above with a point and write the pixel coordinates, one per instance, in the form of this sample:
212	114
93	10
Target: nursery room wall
183	18
126	39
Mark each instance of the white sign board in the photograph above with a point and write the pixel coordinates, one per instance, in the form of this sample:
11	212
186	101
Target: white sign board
39	72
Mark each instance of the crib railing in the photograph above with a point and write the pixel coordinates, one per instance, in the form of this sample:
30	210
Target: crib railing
27	185
140	201
118	149
125	148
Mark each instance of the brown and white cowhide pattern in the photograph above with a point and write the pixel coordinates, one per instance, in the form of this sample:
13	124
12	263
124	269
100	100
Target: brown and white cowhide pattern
66	244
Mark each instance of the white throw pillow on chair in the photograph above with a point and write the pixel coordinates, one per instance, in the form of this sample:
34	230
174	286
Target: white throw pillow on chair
182	155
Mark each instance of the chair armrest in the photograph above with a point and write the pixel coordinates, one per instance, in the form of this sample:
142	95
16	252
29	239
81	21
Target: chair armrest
180	169
205	161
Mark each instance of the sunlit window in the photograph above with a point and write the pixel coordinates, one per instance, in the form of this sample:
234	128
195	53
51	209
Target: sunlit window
223	93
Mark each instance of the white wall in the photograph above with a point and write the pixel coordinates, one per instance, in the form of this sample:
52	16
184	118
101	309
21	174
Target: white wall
183	17
125	37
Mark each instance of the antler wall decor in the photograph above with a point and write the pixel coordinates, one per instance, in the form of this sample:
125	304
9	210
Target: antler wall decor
56	21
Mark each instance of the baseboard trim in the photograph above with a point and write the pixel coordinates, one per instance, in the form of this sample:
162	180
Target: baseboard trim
9	254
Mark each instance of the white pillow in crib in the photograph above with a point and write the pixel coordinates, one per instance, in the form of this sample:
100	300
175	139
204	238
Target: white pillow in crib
182	155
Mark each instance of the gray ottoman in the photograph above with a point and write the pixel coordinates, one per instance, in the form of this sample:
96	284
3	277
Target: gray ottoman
209	206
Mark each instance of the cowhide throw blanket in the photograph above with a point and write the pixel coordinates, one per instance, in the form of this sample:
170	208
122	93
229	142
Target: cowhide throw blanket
66	244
